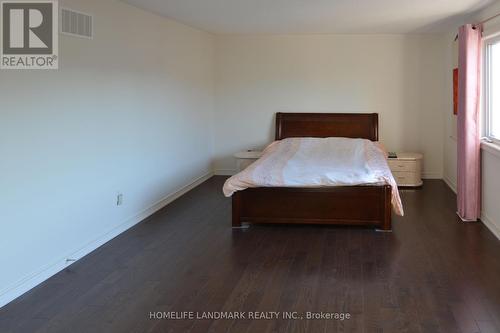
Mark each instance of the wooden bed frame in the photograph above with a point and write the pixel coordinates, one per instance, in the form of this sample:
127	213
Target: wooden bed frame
344	205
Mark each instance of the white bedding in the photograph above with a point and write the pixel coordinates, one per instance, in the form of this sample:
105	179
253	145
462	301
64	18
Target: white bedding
318	162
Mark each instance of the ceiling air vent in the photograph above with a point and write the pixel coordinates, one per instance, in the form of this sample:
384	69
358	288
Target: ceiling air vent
76	24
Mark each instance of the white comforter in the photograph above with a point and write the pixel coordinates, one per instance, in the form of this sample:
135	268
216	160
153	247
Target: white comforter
317	162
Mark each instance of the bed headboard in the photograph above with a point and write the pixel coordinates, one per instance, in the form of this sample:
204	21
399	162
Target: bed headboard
322	125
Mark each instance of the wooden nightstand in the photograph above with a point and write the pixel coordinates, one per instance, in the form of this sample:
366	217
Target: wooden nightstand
407	169
245	158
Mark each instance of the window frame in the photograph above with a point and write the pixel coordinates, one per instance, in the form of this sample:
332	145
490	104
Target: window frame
487	121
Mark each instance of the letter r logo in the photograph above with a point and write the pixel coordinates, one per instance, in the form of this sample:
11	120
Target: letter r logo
27	27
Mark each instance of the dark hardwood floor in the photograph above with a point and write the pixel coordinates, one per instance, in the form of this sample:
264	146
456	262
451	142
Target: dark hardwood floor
432	274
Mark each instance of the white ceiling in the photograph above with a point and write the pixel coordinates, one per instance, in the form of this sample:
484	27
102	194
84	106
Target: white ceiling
314	16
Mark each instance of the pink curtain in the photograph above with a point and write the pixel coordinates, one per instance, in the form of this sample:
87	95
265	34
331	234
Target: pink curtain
469	149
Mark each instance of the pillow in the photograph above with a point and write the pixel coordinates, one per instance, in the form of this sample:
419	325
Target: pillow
382	148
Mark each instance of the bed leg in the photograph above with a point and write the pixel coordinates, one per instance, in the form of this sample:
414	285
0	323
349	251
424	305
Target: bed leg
236	210
386	225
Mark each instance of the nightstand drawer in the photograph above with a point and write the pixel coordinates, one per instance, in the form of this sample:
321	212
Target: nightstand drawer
245	158
404	178
398	165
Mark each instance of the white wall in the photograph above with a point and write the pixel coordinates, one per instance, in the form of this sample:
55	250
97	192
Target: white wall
450	129
491	190
490	157
400	77
130	111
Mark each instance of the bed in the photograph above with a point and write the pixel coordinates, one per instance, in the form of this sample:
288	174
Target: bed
361	205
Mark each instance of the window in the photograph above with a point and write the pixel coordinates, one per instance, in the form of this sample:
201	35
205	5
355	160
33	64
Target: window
492	88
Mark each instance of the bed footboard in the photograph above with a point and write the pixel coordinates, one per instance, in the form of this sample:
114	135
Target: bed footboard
346	205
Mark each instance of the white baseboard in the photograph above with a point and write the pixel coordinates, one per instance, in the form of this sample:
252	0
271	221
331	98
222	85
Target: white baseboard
450	184
488	222
432	175
225	172
12	292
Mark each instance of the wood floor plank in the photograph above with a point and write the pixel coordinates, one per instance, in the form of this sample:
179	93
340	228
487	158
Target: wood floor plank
431	274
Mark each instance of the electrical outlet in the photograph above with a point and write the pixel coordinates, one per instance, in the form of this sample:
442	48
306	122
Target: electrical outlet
119	199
